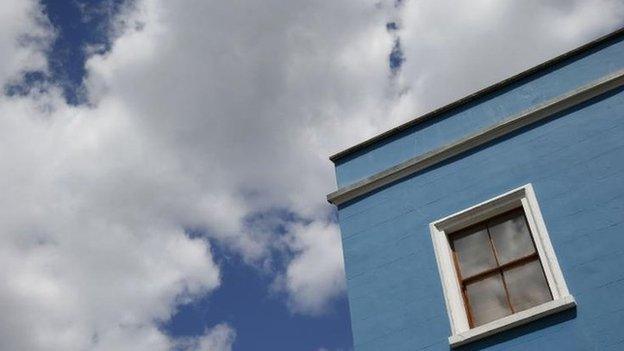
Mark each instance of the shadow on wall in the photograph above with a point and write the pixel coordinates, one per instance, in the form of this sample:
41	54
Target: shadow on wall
520	331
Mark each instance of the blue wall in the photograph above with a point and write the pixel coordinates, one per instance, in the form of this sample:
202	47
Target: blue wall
454	124
575	161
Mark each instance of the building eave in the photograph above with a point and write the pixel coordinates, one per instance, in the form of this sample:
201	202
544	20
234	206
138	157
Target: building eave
481	137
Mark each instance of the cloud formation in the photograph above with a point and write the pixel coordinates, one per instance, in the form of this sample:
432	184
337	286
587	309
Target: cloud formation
204	115
485	41
312	278
25	35
218	338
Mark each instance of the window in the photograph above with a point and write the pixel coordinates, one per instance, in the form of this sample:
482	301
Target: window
497	266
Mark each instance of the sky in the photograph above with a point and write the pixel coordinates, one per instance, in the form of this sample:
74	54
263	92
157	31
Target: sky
165	163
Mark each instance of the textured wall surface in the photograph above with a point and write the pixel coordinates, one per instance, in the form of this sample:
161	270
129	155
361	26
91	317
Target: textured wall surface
454	124
575	161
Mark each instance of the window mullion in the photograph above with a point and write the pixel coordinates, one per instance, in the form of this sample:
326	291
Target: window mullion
498	265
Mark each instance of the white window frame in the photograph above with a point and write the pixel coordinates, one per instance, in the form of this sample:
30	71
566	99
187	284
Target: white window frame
524	197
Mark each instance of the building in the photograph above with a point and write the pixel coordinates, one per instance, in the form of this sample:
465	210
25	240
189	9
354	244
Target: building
496	222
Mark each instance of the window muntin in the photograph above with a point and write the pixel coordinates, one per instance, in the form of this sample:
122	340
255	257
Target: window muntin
498	268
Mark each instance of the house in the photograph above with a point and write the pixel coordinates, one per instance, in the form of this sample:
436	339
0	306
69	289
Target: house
496	222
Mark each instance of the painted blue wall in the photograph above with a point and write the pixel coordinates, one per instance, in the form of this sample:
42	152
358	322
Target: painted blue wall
575	161
454	124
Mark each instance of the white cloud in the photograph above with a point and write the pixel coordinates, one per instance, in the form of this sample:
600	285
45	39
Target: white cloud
203	115
89	259
251	111
218	338
25	35
315	276
484	41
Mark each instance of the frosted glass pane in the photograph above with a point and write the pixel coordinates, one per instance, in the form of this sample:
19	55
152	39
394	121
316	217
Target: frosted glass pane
511	237
527	286
487	300
474	253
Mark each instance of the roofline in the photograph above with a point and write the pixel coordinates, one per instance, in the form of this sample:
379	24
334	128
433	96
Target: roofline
479	138
476	95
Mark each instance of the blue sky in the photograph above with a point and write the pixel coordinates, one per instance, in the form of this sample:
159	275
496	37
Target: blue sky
262	321
79	24
165	163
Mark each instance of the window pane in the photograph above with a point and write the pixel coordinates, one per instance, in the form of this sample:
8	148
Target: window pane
487	300
527	286
474	252
511	237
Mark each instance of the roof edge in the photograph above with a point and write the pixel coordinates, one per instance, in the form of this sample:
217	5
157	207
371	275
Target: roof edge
493	132
478	94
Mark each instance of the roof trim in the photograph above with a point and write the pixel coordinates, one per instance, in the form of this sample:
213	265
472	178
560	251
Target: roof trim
476	95
481	137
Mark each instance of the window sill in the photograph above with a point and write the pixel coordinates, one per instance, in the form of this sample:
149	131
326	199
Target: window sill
512	321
